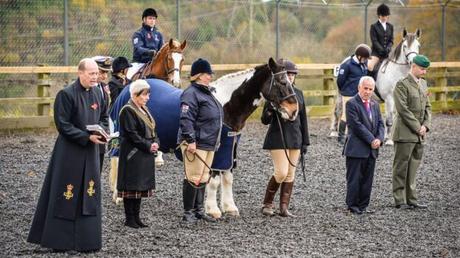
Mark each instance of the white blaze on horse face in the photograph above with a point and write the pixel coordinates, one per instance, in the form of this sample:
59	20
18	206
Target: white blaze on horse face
228	83
177	58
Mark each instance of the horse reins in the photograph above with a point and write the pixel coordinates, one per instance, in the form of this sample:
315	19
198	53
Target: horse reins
195	155
283	139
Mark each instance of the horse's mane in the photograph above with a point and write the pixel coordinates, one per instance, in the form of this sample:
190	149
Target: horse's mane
233	75
410	37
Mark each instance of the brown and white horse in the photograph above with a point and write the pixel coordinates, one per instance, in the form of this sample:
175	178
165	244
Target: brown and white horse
166	65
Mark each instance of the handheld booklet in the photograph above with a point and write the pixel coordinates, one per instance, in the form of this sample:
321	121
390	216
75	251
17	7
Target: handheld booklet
98	130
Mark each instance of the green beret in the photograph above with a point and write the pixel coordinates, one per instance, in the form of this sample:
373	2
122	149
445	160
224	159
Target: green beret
421	61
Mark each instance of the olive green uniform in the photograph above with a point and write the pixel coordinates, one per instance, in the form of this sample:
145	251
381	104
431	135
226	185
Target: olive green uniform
413	110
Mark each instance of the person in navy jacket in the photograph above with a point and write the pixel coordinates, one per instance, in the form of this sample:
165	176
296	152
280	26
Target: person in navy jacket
147	41
350	72
199	137
365	136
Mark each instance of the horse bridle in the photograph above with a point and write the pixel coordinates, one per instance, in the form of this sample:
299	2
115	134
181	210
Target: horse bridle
272	81
169	71
407	58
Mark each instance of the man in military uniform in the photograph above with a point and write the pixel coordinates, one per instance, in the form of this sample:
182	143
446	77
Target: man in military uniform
412	122
147	41
381	34
68	214
104	64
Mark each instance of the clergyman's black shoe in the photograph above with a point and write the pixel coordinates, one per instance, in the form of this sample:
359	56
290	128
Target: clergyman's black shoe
355	210
418	206
402	206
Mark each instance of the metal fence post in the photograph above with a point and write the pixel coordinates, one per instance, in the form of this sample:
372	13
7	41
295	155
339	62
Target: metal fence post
66	32
277	29
43	90
178	19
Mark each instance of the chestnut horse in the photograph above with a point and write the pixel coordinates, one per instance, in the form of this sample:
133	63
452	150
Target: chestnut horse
166	65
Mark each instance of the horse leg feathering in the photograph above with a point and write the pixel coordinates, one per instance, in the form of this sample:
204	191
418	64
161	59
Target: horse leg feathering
211	207
227	202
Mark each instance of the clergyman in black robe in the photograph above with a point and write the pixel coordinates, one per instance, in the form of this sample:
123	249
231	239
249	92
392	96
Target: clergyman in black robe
68	214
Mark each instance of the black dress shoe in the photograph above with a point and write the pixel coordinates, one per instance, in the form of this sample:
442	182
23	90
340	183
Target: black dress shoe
402	206
418	206
368	211
355	210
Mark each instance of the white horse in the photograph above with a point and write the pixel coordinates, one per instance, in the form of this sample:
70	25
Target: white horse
394	69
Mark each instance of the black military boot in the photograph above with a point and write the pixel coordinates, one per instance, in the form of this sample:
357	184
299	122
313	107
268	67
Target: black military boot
137	210
189	193
199	205
129	213
342	129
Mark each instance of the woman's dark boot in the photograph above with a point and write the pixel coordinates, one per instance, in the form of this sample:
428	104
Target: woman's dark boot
270	192
342	132
137	211
129	213
285	197
189	193
199	205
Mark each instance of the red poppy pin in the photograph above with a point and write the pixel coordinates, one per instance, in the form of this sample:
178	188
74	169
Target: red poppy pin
94	106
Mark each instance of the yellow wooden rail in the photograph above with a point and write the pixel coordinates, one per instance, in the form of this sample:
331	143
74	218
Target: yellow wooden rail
439	71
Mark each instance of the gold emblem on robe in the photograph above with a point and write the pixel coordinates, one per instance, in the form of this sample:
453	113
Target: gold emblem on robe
68	194
91	190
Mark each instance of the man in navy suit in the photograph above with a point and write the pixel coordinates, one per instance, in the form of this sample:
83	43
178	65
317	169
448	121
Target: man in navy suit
365	136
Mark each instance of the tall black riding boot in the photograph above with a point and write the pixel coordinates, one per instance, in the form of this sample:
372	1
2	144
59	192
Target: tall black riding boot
342	129
189	193
129	213
137	211
199	205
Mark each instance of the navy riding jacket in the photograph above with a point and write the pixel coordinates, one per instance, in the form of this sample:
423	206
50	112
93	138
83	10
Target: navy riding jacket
200	118
145	40
349	74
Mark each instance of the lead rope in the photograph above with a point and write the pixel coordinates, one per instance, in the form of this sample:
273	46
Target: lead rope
195	155
283	140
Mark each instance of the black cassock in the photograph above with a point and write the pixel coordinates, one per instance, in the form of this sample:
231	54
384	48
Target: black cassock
68	214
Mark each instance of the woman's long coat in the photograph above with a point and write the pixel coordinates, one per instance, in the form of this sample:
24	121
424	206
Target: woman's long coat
136	170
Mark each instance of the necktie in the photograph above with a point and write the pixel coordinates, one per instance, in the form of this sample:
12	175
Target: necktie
368	109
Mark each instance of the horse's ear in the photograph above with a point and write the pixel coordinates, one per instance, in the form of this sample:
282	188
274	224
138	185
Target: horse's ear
404	32
272	64
171	42
183	45
418	33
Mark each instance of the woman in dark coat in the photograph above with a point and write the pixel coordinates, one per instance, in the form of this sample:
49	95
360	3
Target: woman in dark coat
199	137
138	145
288	142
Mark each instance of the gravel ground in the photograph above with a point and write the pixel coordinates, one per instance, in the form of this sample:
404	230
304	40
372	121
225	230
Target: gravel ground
323	226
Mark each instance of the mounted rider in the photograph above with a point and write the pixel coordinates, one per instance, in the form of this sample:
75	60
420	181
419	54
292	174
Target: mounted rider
381	34
147	41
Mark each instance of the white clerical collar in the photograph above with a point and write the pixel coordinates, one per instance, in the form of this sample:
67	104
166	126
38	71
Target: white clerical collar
384	24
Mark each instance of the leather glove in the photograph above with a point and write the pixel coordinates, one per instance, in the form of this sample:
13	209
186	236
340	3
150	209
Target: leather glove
304	149
152	52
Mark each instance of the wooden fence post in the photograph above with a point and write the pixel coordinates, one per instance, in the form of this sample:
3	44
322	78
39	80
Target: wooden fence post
442	82
328	84
43	90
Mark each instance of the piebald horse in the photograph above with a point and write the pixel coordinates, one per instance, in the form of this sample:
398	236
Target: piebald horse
166	65
240	94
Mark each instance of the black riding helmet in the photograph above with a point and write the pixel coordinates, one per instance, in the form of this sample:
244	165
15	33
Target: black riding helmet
363	50
149	12
120	63
289	66
383	10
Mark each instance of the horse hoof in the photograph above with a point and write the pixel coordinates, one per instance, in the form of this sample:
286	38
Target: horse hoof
333	134
234	214
215	215
119	201
159	164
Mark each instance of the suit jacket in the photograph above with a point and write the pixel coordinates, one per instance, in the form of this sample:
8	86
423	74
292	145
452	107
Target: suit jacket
382	40
361	129
413	109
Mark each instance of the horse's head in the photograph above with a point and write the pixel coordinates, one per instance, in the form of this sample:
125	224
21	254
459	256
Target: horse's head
171	58
279	91
409	46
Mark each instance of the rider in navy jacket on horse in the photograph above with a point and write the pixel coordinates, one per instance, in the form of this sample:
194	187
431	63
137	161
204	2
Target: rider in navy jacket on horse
285	140
199	137
351	70
147	41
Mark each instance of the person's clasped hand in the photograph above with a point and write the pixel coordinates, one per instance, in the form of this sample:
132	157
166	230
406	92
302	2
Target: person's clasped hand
154	147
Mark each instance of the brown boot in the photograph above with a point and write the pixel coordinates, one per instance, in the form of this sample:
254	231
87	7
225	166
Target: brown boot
285	196
272	187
